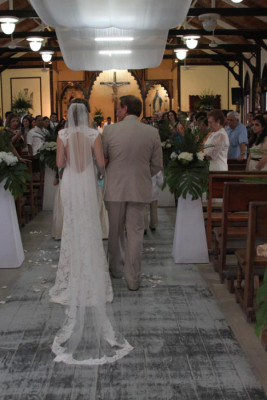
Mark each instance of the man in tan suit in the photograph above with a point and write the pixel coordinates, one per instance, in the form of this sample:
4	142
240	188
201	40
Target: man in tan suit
134	155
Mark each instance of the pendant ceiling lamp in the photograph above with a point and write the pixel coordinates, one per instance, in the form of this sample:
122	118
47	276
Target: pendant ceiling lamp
46	55
101	40
8	24
181	53
35	42
236	1
191	41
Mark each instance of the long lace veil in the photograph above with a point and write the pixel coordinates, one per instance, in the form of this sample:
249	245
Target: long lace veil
88	335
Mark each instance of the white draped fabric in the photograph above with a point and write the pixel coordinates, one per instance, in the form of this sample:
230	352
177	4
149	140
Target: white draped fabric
138	14
79	22
190	243
11	250
81	52
49	189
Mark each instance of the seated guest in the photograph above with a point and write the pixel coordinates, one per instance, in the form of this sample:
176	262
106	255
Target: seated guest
26	126
175	127
258	162
17	137
108	121
53	121
47	127
238	137
36	135
217	144
250	117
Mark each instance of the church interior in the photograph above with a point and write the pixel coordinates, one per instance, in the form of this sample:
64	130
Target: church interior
194	335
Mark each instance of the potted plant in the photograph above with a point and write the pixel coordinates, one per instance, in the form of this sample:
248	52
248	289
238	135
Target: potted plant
206	100
13	172
188	170
98	116
21	104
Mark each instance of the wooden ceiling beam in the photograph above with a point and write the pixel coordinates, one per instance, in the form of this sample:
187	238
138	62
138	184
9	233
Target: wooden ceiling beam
243	48
193	12
214	57
10	61
24	49
247	33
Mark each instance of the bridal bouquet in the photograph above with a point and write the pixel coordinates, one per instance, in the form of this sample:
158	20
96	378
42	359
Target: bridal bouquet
14	173
188	169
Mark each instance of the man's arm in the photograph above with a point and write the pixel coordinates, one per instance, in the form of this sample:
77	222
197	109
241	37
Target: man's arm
156	164
243	148
243	140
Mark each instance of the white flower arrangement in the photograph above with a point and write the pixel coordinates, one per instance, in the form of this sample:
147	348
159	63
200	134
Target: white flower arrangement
200	155
188	169
47	154
173	155
8	158
49	146
167	144
185	156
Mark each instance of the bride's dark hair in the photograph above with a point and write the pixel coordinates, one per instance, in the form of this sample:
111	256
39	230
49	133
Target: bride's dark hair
79	100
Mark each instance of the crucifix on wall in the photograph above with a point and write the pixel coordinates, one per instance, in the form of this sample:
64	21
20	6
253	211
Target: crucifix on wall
115	86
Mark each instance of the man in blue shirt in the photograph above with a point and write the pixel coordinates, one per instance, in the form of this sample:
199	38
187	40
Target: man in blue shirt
238	137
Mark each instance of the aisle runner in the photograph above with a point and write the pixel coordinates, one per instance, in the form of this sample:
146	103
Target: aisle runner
184	348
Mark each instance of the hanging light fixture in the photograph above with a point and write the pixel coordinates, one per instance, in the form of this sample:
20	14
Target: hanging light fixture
46	55
209	21
236	1
181	53
8	24
35	43
191	41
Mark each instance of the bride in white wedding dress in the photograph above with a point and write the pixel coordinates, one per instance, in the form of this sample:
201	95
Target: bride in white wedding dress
88	336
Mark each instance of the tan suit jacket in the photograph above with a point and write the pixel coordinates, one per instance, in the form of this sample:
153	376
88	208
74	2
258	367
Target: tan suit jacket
135	154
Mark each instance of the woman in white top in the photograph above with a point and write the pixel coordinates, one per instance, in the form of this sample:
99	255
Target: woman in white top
217	144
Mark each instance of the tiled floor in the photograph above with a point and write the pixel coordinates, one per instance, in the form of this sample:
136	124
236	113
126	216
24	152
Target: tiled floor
184	349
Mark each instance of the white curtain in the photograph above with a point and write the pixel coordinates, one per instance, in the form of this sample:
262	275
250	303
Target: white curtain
79	22
81	52
138	14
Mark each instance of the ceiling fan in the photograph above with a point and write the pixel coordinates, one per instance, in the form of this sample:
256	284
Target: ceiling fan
186	67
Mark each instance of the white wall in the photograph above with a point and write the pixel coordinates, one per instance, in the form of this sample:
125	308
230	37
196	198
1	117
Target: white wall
41	94
198	79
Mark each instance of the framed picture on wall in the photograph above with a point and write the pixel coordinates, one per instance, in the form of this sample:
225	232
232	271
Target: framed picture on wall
29	88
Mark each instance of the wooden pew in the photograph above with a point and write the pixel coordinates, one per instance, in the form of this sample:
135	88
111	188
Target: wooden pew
236	198
216	185
37	179
20	209
31	193
249	264
237	165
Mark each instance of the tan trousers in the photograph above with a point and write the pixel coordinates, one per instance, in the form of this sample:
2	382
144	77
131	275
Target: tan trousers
152	209
125	242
